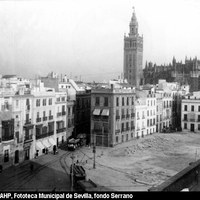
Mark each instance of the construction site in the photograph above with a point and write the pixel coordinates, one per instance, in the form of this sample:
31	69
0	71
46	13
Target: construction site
141	163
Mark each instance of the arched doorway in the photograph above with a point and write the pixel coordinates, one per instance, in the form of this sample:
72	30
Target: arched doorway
16	156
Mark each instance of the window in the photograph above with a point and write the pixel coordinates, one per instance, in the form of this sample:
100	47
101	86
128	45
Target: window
17	103
198	118
69	111
105	101
127	101
37	102
185	125
44	102
132	101
97	101
122	101
63	98
117	101
192	108
185	117
198	127
50	101
50	113
185	108
199	109
38	114
147	112
27	102
122	127
127	126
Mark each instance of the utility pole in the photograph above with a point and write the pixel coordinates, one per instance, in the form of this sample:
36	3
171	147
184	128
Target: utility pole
94	149
72	172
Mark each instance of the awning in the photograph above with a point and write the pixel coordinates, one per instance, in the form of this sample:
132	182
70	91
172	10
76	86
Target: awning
52	141
46	143
96	111
105	112
39	145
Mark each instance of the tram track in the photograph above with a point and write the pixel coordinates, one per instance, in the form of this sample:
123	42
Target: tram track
24	177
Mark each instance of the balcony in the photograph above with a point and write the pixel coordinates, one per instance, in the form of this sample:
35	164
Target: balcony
132	115
98	131
138	129
105	119
117	131
192	120
185	120
44	118
27	122
127	116
28	138
50	117
143	117
123	116
59	114
63	113
7	137
127	129
132	127
60	130
143	128
138	118
50	133
38	119
96	118
117	117
39	136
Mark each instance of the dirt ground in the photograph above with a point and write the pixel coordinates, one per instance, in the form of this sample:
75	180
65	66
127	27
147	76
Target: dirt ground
140	164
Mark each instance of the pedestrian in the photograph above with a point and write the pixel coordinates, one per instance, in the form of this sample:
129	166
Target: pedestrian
54	149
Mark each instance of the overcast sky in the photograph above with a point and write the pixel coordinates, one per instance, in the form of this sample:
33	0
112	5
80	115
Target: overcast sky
85	37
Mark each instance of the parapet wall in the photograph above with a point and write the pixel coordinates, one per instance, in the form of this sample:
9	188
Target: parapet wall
187	178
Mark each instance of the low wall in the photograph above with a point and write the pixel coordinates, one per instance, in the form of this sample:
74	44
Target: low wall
187	178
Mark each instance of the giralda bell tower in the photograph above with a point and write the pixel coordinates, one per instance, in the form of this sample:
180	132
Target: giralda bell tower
133	54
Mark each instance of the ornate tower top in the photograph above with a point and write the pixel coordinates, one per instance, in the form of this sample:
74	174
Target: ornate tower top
133	24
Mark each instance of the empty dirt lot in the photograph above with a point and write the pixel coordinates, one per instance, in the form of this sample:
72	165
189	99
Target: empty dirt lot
142	163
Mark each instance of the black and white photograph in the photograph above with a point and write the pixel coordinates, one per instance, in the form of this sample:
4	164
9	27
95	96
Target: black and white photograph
99	96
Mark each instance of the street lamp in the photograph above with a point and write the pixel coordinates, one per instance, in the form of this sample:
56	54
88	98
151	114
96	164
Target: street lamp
94	150
72	172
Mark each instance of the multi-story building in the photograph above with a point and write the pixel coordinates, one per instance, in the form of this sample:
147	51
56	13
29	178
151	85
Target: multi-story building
82	114
133	54
7	135
112	117
148	93
191	113
140	117
44	117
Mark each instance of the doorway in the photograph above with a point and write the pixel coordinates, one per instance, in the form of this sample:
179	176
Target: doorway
192	127
27	154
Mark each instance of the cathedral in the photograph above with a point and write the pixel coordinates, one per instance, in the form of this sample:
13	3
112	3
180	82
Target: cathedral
183	73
